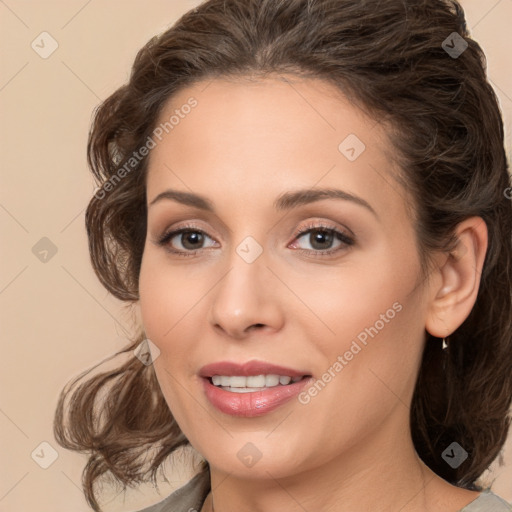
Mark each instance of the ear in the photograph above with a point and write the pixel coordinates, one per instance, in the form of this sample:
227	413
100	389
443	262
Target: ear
455	282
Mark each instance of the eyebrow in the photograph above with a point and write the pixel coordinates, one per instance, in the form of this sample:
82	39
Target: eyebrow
285	201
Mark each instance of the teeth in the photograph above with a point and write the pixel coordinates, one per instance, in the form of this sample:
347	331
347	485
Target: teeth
270	381
257	381
241	384
234	382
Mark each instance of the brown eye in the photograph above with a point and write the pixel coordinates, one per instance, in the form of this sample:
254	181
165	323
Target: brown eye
191	239
184	240
322	238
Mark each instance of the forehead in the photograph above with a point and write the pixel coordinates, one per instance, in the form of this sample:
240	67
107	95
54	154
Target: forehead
257	138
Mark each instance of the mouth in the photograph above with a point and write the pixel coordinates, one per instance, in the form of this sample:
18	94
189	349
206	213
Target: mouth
251	389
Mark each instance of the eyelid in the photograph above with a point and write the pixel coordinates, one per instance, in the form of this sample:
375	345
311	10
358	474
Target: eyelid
324	225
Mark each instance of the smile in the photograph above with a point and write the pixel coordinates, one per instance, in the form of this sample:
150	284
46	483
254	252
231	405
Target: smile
251	389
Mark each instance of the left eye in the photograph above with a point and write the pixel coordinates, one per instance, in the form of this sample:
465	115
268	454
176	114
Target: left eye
322	239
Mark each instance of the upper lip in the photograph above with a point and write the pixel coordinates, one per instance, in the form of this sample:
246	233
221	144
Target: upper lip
250	368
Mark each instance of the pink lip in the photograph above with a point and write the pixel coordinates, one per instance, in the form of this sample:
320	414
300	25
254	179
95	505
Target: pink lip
256	403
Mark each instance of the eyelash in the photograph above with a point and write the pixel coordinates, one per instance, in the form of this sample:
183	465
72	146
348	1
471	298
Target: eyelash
346	240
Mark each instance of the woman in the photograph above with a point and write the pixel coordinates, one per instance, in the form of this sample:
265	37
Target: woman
307	201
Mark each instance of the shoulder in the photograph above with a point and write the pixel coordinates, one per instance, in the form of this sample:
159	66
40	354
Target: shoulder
487	501
189	498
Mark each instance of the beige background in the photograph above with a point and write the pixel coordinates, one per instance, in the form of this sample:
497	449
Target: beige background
56	318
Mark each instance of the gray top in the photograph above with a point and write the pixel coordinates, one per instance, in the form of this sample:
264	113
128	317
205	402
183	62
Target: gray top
488	502
191	496
188	498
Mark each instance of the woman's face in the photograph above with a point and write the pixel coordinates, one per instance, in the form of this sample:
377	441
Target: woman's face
344	308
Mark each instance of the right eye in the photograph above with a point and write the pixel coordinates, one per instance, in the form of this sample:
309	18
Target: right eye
188	240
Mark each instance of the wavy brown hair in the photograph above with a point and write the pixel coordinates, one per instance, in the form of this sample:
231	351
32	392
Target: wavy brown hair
446	129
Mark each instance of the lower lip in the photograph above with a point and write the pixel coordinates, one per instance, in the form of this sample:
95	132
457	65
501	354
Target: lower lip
255	403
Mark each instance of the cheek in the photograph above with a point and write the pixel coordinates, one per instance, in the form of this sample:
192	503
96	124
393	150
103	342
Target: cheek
171	306
376	329
374	358
164	301
360	296
364	383
167	294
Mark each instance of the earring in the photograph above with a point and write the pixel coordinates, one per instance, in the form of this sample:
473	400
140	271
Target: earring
445	344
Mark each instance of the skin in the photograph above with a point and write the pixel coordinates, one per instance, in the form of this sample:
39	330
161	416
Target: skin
350	447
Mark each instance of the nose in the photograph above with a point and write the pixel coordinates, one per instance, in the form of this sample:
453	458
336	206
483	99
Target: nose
246	300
